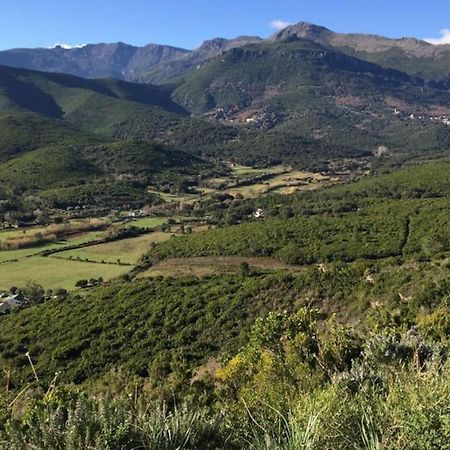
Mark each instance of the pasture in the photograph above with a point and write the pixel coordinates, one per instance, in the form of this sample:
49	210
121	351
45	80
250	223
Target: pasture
54	273
127	251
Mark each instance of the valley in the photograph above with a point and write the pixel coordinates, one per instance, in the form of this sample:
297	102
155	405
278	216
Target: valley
88	258
245	245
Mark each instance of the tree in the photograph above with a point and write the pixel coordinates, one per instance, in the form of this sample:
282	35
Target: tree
81	283
245	269
34	292
61	293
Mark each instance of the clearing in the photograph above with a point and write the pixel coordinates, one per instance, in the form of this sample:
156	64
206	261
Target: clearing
211	265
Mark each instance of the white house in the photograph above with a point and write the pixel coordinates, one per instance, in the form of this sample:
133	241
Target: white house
10	302
258	214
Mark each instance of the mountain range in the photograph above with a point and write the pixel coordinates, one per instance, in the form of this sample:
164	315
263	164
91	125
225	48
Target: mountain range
161	63
305	97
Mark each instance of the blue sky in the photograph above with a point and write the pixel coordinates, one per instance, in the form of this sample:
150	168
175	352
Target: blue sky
186	23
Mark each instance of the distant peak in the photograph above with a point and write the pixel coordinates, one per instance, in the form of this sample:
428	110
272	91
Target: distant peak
219	44
213	43
303	30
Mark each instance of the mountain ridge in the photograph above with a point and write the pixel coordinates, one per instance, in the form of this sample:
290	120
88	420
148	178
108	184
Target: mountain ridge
369	42
160	64
409	54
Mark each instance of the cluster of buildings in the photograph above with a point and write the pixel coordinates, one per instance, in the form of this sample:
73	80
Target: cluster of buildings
441	118
9	302
263	121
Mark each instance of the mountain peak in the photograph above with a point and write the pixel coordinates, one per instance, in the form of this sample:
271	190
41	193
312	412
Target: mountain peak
304	30
369	43
217	45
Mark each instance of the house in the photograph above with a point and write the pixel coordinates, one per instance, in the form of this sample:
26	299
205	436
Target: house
8	302
258	214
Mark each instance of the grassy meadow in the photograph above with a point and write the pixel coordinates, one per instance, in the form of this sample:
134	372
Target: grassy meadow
64	269
128	251
54	273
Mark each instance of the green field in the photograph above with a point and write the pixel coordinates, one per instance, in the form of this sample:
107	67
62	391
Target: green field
18	232
9	255
181	198
148	222
65	268
128	251
54	273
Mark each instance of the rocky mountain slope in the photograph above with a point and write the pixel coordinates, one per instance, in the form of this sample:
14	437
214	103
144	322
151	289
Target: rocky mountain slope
409	54
119	60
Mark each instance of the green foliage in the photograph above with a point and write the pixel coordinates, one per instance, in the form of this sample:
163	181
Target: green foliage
136	325
34	292
23	132
100	194
296	241
74	422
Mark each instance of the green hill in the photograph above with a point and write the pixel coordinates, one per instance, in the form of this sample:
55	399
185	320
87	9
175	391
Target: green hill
23	132
95	105
380	238
65	165
399	214
59	131
288	101
360	312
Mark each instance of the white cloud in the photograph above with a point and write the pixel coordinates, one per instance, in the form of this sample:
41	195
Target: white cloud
279	25
444	39
67	46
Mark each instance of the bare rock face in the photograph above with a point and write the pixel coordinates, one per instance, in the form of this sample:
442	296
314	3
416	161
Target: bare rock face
213	47
305	30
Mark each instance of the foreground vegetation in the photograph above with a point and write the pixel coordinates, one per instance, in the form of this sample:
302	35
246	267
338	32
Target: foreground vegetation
295	385
339	340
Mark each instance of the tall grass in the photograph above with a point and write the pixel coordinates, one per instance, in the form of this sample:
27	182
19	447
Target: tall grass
50	234
105	424
411	411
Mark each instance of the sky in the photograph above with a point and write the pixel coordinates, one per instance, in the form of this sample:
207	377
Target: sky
186	23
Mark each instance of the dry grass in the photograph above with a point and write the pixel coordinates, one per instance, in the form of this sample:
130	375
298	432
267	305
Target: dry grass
203	266
284	183
41	236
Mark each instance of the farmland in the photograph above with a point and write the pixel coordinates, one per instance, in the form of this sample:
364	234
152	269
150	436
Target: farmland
111	259
253	182
64	269
127	251
54	273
